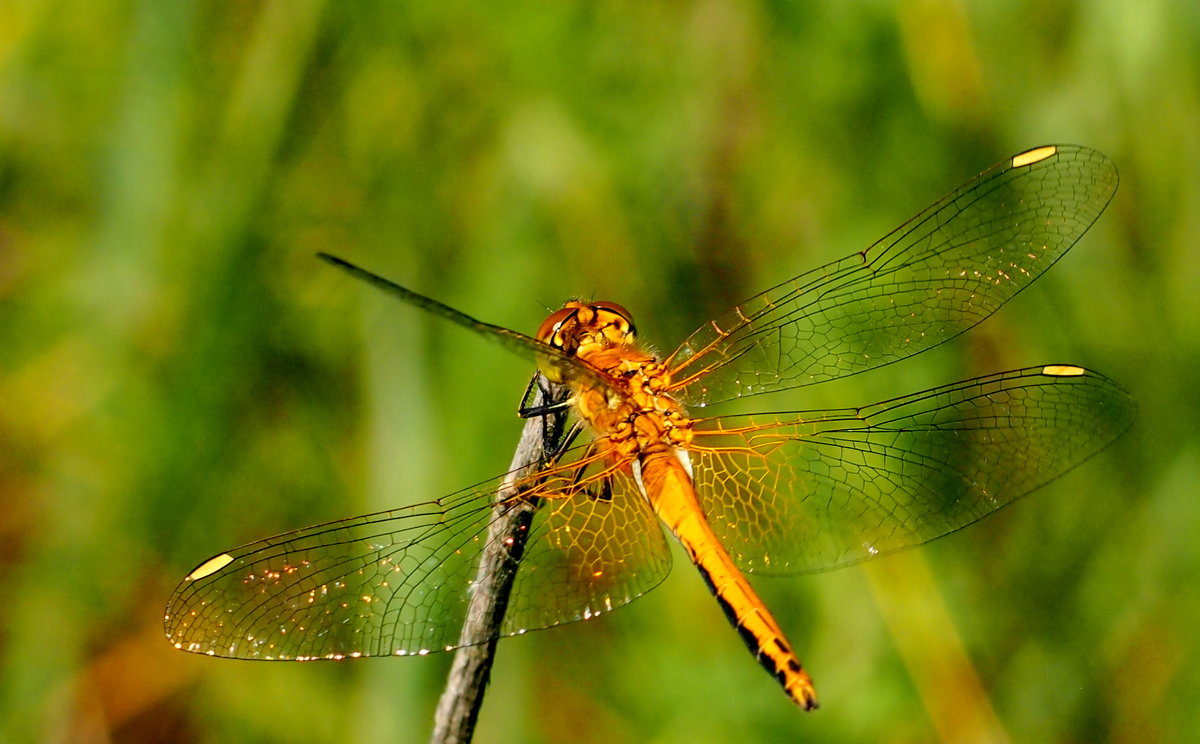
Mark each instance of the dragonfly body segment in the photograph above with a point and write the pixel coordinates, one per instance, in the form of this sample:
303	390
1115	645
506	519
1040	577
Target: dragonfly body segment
671	491
780	492
644	430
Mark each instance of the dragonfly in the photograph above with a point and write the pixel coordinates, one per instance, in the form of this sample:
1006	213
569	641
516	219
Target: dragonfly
772	493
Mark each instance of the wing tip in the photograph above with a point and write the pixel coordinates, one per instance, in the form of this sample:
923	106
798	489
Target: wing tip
210	567
1063	370
1036	155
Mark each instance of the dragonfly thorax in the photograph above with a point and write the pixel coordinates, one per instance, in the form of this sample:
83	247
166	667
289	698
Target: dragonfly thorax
628	403
635	416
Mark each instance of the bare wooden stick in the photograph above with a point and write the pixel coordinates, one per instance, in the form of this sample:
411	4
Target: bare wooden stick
462	698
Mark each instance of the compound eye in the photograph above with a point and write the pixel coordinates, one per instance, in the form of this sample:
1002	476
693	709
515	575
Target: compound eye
625	317
548	331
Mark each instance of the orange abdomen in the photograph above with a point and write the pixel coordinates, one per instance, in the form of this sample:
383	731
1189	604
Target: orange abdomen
668	486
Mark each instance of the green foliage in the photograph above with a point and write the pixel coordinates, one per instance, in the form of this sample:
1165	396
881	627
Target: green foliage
179	374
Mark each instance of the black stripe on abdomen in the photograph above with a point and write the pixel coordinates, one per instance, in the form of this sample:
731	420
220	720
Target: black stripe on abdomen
748	637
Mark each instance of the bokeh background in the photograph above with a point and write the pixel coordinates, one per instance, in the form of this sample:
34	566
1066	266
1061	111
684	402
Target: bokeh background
178	374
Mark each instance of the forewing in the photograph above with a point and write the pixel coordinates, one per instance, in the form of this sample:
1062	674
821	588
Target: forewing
934	277
526	346
400	582
791	493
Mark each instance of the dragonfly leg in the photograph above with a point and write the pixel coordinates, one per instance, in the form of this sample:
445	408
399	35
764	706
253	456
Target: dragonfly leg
528	410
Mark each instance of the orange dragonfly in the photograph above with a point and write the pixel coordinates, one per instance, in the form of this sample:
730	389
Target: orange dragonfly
771	493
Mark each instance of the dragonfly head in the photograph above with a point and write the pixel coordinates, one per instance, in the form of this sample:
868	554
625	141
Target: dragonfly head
579	325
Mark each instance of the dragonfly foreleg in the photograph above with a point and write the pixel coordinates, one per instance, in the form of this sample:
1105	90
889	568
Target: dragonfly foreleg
528	410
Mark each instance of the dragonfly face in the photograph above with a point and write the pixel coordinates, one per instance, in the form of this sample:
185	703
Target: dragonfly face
580	324
785	492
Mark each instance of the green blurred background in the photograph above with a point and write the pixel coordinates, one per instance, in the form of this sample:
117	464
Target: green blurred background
178	374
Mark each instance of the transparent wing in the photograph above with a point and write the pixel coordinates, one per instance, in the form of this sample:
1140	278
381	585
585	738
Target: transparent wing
399	582
790	493
526	346
934	277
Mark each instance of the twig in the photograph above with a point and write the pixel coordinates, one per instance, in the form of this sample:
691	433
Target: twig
458	708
